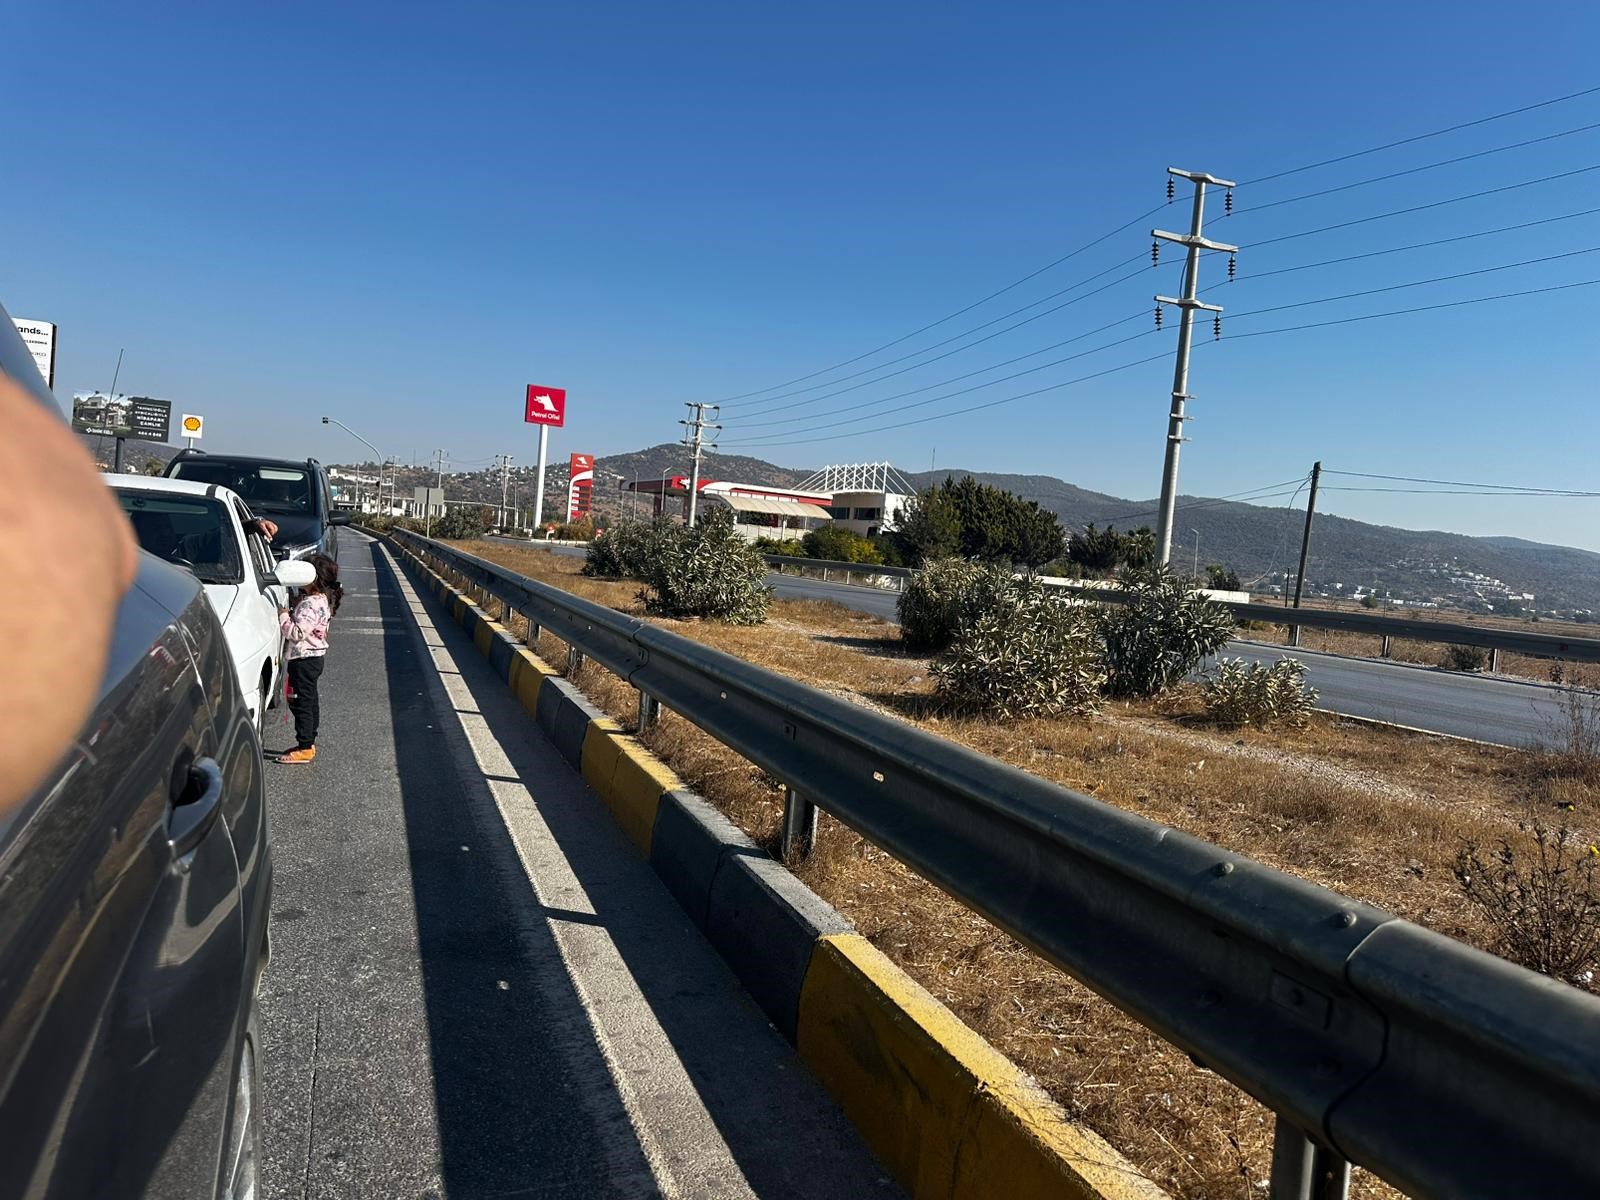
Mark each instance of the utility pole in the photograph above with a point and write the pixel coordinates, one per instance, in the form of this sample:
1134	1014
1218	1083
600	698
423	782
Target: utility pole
438	458
1180	374
1305	547
697	425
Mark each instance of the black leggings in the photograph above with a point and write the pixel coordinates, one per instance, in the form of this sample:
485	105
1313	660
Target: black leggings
303	676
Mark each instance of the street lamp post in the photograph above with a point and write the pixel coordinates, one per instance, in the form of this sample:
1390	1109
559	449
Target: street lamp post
369	446
1196	533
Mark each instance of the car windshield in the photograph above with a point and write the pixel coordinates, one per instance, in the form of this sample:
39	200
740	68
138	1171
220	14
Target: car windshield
271	489
192	531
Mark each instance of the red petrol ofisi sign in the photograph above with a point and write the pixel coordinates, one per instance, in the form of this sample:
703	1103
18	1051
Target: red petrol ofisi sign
580	486
546	406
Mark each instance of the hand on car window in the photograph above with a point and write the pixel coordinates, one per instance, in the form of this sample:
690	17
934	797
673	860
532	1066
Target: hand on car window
58	521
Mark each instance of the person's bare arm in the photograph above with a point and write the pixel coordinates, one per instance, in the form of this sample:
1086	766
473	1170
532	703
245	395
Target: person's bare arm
67	555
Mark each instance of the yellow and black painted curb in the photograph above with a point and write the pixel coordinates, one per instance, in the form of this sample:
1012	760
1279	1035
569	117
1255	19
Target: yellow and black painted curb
946	1113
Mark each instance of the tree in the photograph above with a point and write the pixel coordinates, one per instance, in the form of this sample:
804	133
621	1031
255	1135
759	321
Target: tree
975	521
929	528
1097	551
1221	579
1139	550
461	522
839	545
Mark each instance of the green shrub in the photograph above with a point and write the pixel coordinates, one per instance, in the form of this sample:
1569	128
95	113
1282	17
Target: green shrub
706	571
462	522
624	551
839	545
1031	653
786	547
1464	658
947	594
581	530
1256	694
1162	633
1222	579
383	523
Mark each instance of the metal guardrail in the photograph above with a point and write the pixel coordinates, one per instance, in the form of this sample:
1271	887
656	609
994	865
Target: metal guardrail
1456	633
825	565
1444	1070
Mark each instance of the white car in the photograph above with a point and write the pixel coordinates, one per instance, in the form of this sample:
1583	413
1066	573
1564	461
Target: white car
201	526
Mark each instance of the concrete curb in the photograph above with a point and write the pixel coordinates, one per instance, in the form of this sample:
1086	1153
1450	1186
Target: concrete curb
946	1113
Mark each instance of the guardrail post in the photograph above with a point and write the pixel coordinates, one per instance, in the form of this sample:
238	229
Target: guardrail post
1305	1170
799	824
1494	660
649	711
1385	646
1294	635
574	660
847	576
824	574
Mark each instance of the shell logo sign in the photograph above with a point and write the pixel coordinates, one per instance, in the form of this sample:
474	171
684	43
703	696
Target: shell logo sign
191	426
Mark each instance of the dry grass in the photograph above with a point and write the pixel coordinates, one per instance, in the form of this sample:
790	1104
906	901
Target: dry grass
1373	813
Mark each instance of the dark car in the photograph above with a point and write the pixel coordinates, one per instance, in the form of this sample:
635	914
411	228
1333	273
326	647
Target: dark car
294	494
134	891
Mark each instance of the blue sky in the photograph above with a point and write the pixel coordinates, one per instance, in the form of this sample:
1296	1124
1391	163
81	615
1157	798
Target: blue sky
400	214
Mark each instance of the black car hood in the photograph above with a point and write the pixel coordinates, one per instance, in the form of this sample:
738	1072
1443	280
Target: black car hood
294	530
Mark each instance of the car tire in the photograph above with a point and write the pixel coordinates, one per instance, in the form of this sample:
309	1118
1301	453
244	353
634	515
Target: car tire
243	1143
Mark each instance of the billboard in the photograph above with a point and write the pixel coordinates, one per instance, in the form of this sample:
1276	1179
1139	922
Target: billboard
40	338
122	416
580	486
546	406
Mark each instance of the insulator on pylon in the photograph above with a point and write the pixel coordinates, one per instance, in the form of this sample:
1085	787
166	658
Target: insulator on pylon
1227	203
1158	316
1233	266
1155	253
1171	191
1216	327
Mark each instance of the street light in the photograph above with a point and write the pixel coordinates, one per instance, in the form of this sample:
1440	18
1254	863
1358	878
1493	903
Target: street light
1196	533
369	446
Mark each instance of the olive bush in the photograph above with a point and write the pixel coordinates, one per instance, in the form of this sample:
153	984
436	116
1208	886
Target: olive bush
624	551
1256	694
947	594
1162	633
706	571
1032	652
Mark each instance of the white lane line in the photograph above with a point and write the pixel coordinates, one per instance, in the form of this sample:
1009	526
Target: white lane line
660	1098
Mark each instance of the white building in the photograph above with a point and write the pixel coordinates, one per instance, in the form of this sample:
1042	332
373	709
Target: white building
866	497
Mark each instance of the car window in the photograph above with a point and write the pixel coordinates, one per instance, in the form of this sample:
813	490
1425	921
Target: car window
267	489
192	531
260	555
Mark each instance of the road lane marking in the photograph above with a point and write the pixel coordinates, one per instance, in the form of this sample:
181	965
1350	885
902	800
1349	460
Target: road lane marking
656	1091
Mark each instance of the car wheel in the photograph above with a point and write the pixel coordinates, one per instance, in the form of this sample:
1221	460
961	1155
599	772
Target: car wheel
240	1181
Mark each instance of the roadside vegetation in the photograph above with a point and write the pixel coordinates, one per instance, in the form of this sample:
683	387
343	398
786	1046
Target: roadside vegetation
1386	816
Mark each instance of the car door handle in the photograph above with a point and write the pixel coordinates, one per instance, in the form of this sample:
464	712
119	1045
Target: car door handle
195	811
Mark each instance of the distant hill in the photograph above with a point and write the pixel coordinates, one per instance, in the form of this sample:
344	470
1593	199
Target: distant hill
1259	541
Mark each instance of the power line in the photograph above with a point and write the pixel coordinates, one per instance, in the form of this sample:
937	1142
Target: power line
972	408
1401	312
960	311
1508	487
955	337
1400	212
1120	341
1271	491
1142	313
1420	137
1395	287
1443	162
1548	495
976	387
1152	358
1462	237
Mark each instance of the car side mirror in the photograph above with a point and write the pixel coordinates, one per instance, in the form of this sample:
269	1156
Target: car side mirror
339	518
294	573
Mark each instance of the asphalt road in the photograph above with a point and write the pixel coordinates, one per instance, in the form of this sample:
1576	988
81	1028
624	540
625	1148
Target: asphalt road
1488	708
478	989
